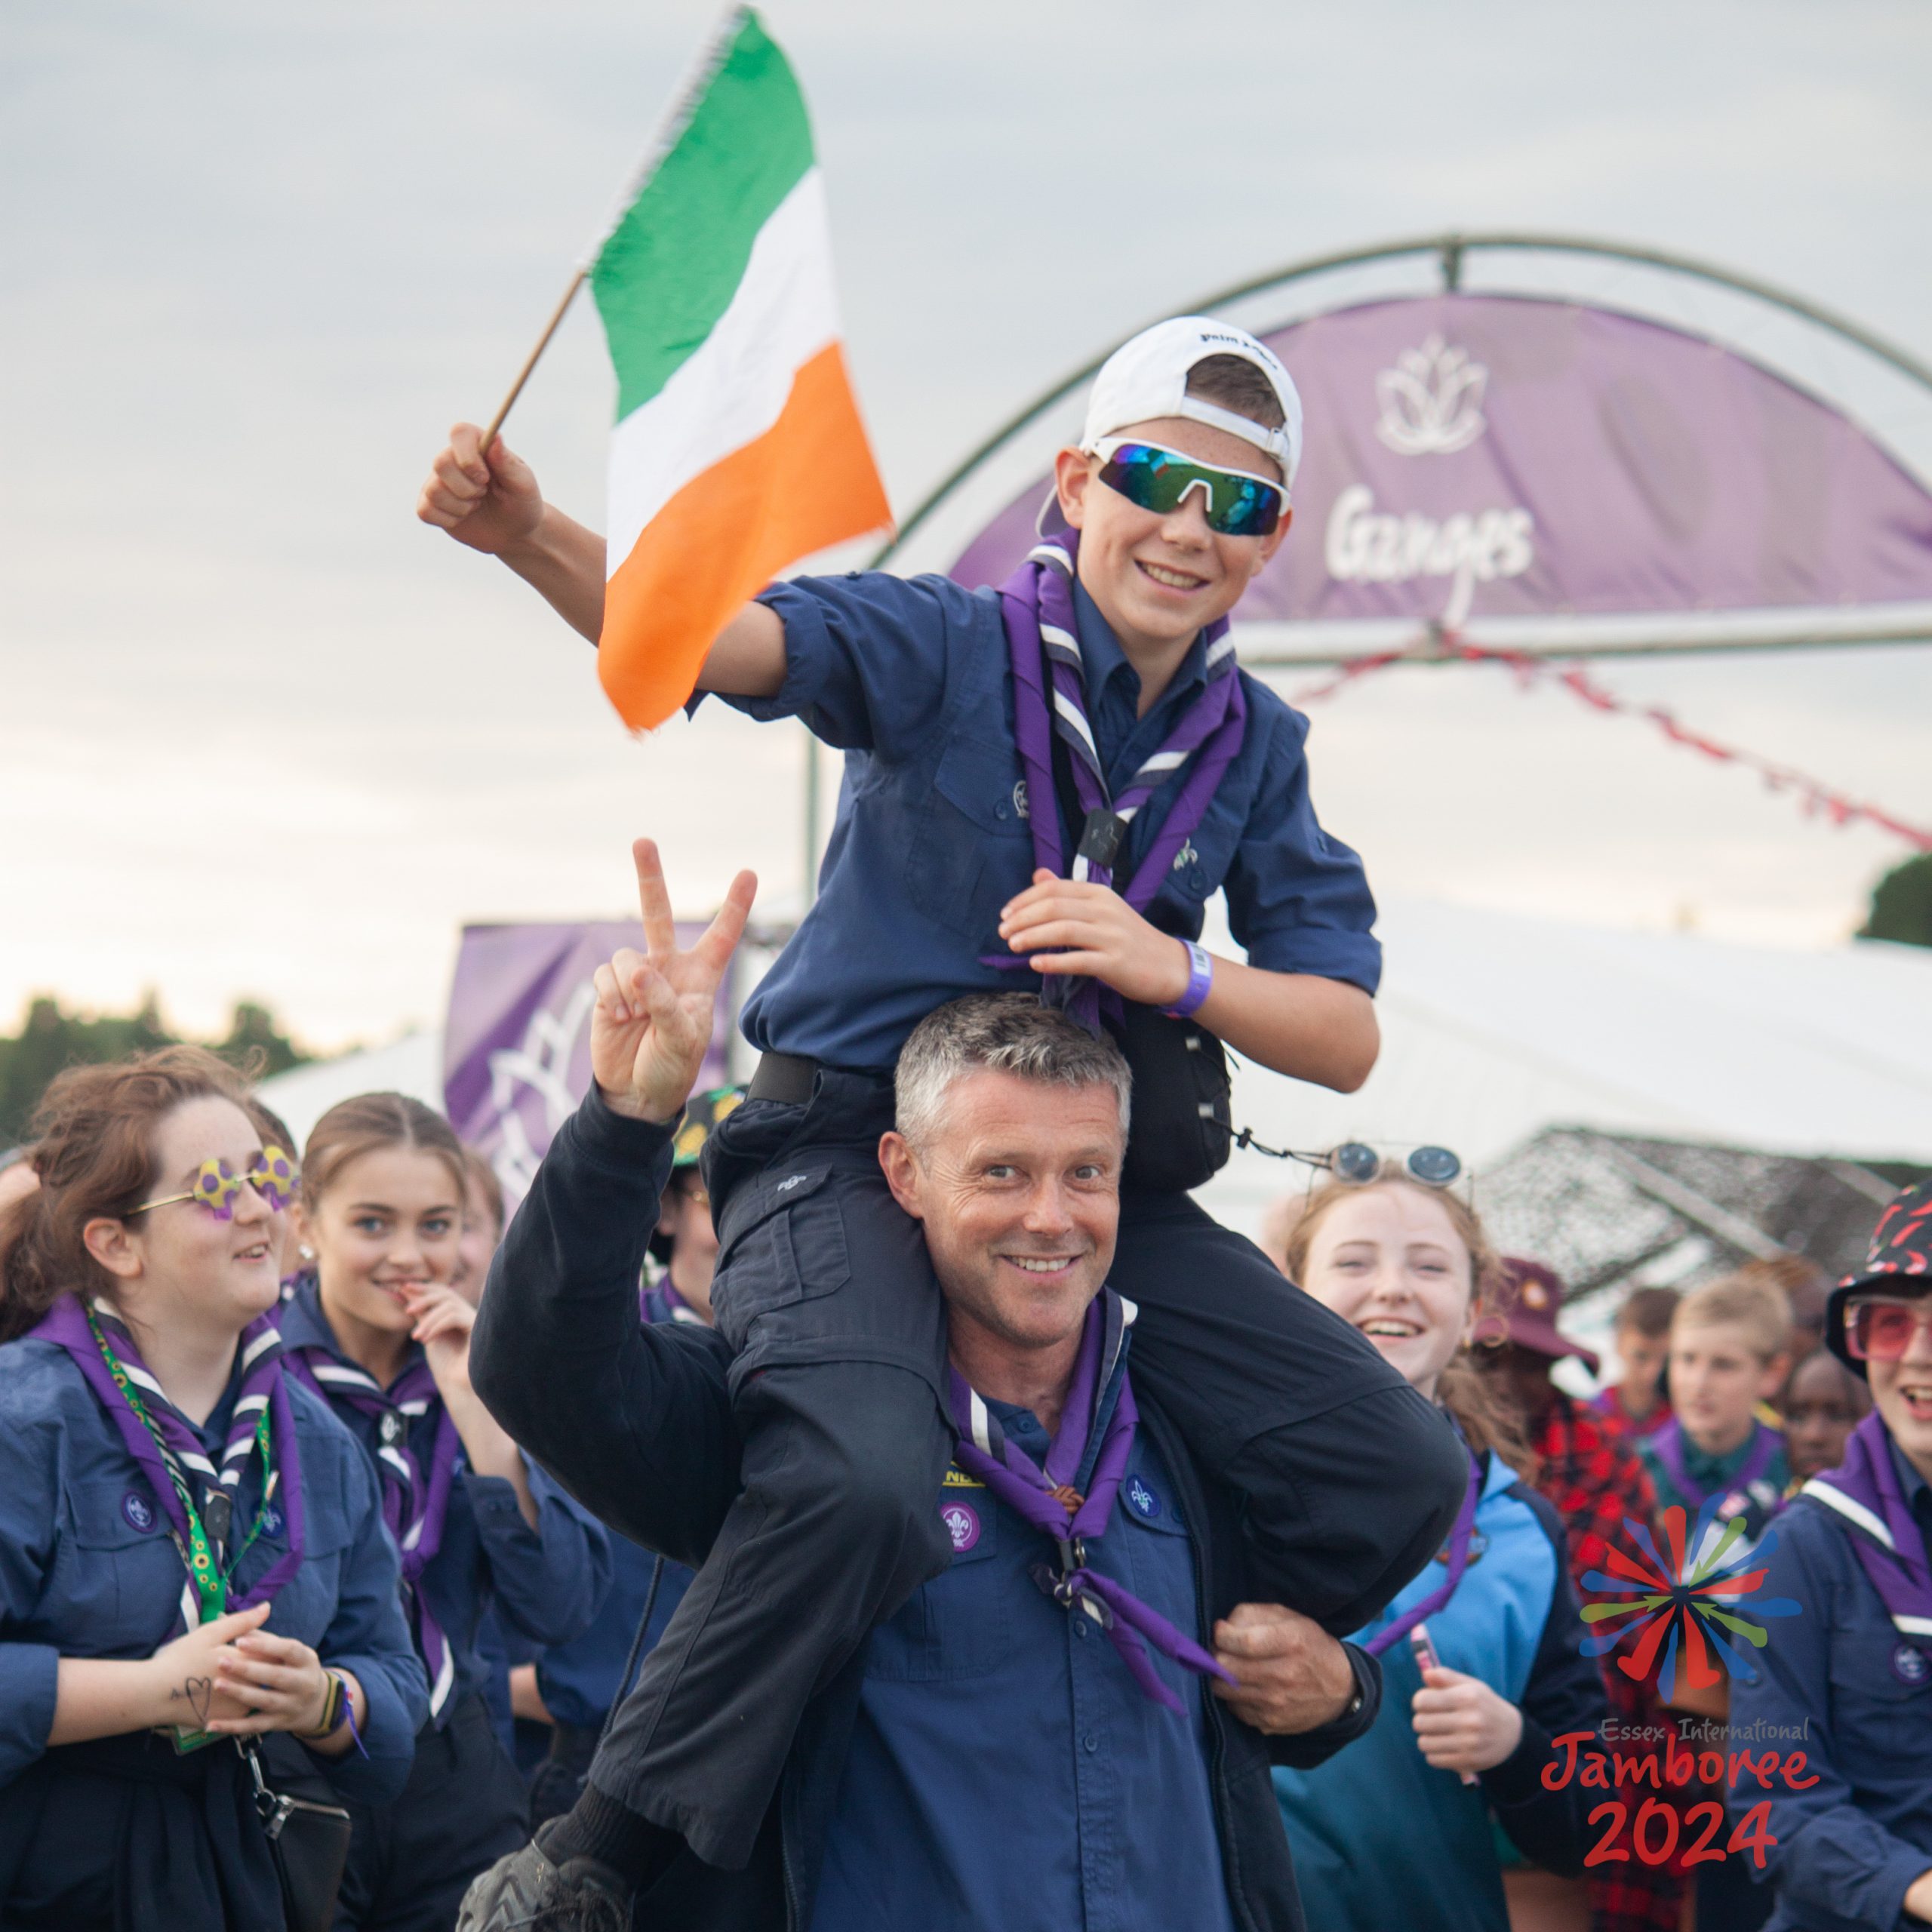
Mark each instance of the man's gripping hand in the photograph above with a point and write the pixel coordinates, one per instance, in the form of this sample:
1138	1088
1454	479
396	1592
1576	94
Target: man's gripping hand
1290	1676
652	1021
493	505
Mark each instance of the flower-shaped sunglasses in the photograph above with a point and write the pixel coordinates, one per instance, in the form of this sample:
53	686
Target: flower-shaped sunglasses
273	1174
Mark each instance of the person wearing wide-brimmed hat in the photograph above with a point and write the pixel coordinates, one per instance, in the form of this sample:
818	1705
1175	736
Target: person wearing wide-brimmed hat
1851	1672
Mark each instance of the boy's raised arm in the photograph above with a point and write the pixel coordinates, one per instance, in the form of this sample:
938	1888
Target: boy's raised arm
496	506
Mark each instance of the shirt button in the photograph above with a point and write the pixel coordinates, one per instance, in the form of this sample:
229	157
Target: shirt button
1080	1628
1090	1743
1002	810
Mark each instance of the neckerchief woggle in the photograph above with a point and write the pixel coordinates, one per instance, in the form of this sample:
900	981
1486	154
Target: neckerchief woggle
168	1451
1050	697
1668	1442
1864	1491
1047	1499
415	1503
1461	1532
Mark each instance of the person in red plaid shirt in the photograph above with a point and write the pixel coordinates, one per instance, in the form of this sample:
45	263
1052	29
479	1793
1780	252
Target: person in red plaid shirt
1588	1469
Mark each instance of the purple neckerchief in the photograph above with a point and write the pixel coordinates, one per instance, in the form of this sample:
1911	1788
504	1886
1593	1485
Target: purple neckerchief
1668	1441
1042	632
1864	1490
1043	1498
1460	1535
415	1506
259	1354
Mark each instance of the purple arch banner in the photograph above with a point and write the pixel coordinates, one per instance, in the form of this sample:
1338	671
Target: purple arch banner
1507	456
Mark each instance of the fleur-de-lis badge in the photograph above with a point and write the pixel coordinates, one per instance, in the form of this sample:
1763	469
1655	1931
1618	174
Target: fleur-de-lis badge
1432	400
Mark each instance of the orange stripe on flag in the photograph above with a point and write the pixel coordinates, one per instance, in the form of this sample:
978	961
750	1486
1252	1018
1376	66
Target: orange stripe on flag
807	483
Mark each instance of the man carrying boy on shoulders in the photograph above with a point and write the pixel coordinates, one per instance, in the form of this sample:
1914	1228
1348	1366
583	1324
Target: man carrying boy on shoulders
1043	787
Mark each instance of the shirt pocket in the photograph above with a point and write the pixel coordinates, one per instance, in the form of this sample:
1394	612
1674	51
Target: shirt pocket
786	1244
955	1625
1877	1717
120	1578
1159	1553
969	847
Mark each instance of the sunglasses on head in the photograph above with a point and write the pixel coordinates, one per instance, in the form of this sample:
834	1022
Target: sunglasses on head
1881	1329
273	1174
1356	1162
1152	478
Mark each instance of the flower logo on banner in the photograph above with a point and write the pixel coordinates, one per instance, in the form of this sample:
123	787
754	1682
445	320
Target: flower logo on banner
1682	1606
541	1066
1432	400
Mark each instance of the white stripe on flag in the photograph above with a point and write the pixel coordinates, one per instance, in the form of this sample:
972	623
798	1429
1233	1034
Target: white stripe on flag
733	387
1163	761
267	1338
1052	555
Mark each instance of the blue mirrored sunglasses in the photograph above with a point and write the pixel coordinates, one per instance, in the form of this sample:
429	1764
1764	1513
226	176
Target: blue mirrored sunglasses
1153	478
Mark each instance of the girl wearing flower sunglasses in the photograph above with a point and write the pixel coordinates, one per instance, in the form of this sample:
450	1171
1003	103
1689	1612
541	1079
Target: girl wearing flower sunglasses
191	1553
380	1329
1851	1841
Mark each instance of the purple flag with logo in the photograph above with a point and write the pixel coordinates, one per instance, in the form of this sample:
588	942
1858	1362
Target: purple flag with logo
1513	455
516	1044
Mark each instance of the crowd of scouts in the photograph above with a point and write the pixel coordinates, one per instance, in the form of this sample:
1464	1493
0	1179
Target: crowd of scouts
299	1629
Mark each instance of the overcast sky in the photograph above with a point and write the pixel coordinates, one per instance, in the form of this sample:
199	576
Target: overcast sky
261	733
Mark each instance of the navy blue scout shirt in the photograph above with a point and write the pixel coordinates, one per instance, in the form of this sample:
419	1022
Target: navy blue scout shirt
87	1568
1005	1770
578	1681
547	1582
1838	1682
910	678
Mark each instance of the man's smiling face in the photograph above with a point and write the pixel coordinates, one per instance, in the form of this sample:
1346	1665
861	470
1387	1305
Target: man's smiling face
1018	1187
1159	579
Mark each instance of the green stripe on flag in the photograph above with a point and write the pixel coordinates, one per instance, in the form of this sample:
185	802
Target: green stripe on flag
671	265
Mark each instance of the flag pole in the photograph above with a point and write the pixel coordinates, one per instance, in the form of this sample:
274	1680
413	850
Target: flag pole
530	363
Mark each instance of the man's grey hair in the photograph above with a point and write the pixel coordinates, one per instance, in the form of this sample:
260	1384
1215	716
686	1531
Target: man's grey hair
1000	1033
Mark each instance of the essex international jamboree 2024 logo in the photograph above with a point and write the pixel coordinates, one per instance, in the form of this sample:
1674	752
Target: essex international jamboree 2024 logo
1685	1606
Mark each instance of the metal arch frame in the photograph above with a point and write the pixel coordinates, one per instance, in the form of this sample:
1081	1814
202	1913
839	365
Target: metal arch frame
1452	249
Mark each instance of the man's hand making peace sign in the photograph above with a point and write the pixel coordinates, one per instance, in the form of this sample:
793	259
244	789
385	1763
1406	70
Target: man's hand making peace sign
652	1021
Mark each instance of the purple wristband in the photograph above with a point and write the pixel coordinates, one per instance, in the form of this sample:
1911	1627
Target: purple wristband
1200	981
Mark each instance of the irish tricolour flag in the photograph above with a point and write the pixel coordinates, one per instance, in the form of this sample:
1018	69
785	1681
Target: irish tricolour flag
738	448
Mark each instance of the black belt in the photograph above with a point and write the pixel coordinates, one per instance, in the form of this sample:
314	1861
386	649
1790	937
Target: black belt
786	1077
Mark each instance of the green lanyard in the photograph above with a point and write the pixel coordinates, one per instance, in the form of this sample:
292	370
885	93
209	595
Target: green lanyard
209	1579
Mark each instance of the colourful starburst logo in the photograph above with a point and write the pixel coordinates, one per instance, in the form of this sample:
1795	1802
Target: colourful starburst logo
1679	1611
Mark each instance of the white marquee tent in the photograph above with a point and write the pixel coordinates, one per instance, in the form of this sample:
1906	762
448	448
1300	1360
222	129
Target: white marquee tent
1496	1025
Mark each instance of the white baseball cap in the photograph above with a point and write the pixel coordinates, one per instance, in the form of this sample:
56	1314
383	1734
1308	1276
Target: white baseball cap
1146	378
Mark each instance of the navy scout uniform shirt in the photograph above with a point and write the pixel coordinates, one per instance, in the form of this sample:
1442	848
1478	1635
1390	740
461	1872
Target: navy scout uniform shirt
1005	1769
910	678
87	1568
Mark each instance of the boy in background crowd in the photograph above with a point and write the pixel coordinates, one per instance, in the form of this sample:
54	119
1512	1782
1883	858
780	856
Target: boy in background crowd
1729	1352
1637	1404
